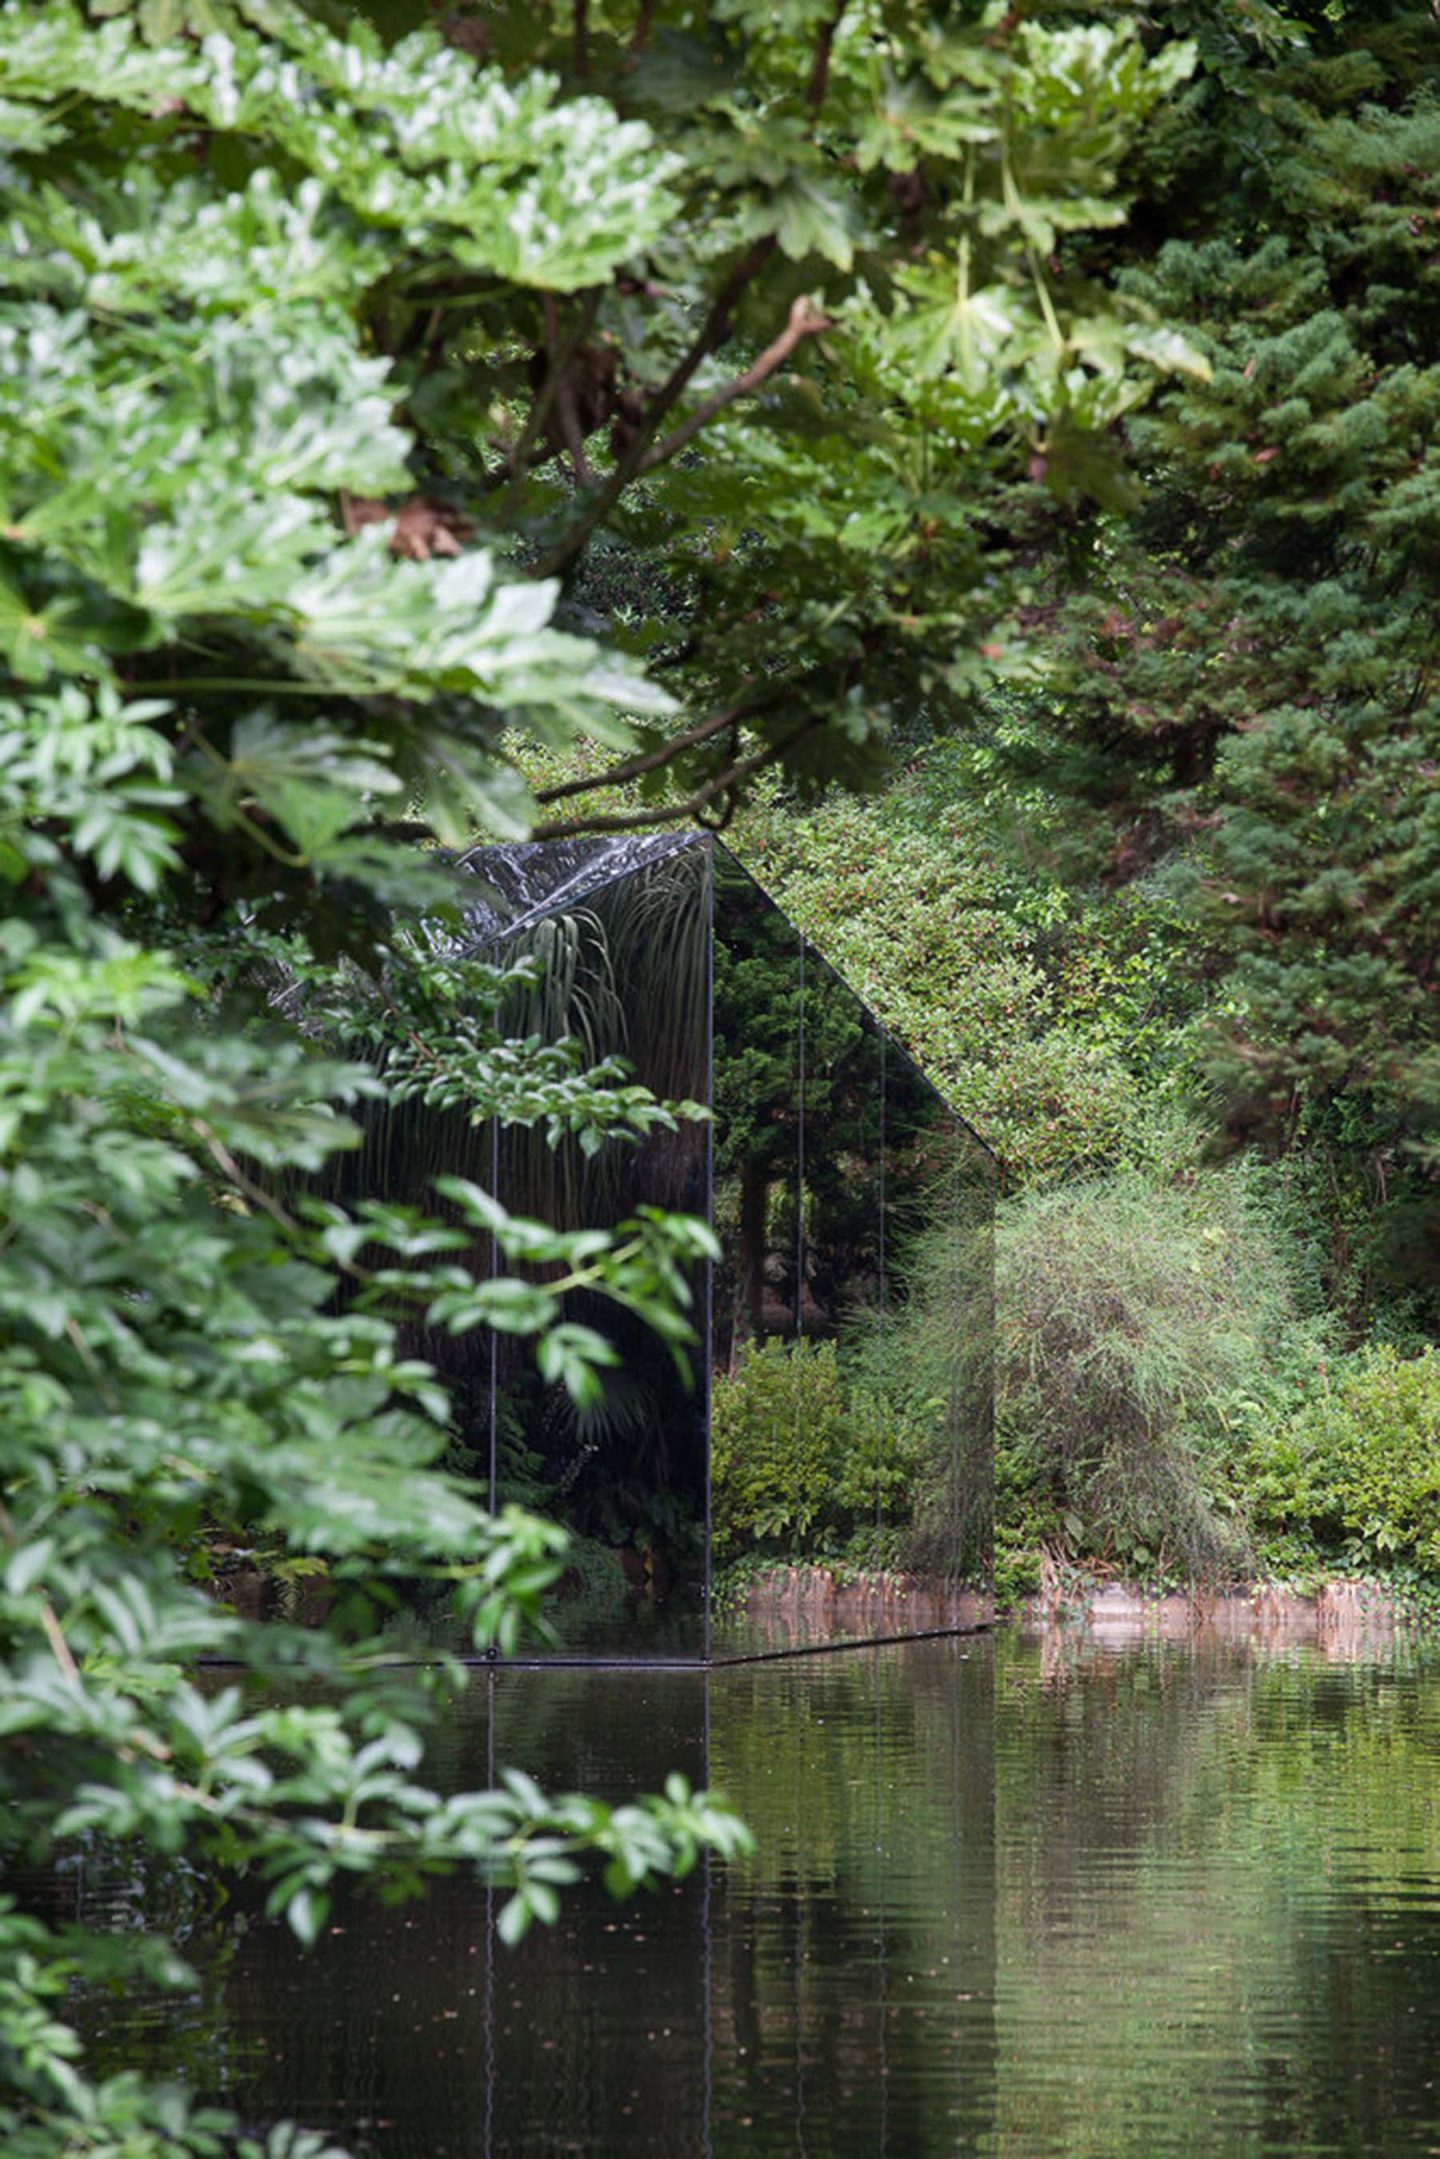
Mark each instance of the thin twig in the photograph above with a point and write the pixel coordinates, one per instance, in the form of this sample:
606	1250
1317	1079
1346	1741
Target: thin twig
59	1647
91	1363
806	320
256	1194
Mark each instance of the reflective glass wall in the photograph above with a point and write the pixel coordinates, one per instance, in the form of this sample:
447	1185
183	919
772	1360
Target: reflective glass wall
832	1425
851	1338
623	947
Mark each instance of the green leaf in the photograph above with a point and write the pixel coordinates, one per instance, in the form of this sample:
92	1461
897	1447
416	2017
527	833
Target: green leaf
808	216
306	1913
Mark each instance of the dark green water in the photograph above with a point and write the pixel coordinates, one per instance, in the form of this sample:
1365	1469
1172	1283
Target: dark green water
1010	1898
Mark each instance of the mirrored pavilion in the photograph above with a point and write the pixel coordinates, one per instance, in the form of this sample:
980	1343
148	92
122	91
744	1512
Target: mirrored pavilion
841	1186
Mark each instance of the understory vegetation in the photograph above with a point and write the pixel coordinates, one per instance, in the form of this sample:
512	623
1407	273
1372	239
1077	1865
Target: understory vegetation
1208	1365
1022	419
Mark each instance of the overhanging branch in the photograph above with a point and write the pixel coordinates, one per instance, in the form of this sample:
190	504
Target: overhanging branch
635	768
672	813
806	320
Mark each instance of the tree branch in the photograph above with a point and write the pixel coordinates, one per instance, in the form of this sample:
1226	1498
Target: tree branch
806	320
518	457
820	68
640	35
628	467
565	409
637	820
635	768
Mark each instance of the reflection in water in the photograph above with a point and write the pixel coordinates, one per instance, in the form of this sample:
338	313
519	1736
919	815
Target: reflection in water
1219	1885
1180	1898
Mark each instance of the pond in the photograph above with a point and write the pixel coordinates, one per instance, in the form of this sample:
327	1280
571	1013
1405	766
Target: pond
1013	1895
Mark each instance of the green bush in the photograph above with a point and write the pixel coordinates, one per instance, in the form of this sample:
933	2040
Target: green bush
1356	1471
802	1459
1131	1317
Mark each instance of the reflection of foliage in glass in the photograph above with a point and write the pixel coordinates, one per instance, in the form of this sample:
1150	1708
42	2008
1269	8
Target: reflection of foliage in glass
800	1457
623	966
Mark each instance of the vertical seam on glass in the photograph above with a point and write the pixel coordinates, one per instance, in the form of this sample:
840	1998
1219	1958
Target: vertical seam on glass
494	1338
800	1158
882	1314
708	1944
707	1316
490	2054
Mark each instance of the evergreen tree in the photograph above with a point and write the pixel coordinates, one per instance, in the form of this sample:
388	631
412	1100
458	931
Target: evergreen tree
1243	659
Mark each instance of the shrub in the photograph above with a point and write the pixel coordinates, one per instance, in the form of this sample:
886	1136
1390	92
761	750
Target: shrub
799	1457
1129	1316
1358	1469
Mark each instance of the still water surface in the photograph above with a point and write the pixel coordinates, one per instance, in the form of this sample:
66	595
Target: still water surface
1011	1896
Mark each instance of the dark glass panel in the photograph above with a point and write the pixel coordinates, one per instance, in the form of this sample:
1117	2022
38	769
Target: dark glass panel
941	1183
758	991
843	1184
755	1326
854	1292
403	1148
847	1300
627	974
842	1164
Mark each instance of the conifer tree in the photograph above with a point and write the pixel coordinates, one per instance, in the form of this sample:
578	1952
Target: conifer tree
1243	656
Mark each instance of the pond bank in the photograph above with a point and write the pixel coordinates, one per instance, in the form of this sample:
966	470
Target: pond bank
1342	1616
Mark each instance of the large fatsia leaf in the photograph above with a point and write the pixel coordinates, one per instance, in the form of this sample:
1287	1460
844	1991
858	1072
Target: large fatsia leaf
549	193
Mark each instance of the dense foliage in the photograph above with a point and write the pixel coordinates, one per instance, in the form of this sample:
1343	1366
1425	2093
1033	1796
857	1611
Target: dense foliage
729	389
1243	685
345	377
1353	1474
1060	1021
1172	896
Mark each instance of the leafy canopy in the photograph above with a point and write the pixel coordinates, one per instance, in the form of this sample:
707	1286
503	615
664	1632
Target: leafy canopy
630	377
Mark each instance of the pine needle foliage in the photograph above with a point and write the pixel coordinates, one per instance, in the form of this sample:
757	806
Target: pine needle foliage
1244	684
